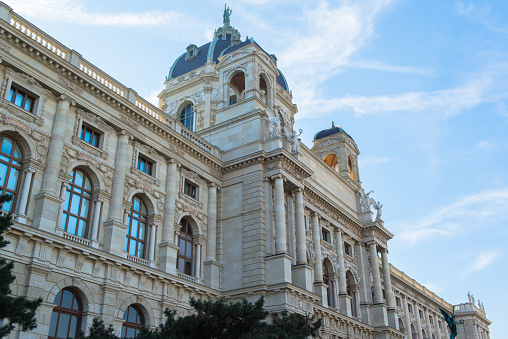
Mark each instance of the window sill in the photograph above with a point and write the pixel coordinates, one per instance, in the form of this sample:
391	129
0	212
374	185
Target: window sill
96	151
21	113
145	177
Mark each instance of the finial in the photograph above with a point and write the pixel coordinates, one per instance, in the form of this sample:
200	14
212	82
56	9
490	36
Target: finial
333	125
226	15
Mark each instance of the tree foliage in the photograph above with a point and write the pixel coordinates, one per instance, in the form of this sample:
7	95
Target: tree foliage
16	310
222	320
99	330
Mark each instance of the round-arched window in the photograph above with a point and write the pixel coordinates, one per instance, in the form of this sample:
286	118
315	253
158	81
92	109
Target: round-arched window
187	117
185	253
66	316
11	162
331	160
326	281
134	321
135	242
78	200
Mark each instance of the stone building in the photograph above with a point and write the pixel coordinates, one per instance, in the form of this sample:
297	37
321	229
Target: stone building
123	209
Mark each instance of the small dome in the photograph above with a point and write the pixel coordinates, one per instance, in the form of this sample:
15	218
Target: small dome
330	131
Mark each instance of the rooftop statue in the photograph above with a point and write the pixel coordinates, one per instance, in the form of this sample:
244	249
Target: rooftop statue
227	14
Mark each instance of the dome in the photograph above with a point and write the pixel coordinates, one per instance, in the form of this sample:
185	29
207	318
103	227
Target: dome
226	40
330	131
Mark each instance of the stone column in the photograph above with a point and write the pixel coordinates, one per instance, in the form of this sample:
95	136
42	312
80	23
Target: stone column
151	253
427	323
23	201
56	144
301	247
316	239
363	271
114	232
63	190
198	261
211	266
95	224
269	217
167	248
211	234
291	239
376	276
280	216
390	297
48	201
407	319
378	314
333	291
345	301
436	324
418	322
340	258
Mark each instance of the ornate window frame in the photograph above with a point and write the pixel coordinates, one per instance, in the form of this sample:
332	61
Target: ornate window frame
96	123
193	178
192	52
150	154
29	85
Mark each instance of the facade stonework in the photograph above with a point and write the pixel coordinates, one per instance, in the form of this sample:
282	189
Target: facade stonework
129	206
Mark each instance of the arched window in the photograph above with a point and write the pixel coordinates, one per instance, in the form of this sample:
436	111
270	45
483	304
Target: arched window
263	89
350	168
237	85
187	117
135	242
185	253
11	162
66	316
326	281
331	160
351	293
414	335
78	200
424	334
401	326
134	321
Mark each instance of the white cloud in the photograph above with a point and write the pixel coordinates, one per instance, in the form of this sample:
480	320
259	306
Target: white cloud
152	98
482	261
485	145
379	66
74	11
452	219
433	288
482	15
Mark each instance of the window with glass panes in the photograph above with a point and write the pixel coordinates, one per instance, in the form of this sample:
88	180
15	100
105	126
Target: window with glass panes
187	117
78	200
21	99
11	162
190	189
185	255
326	281
145	165
90	135
135	242
134	321
66	316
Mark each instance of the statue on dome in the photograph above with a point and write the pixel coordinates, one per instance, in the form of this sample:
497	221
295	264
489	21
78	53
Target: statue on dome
226	15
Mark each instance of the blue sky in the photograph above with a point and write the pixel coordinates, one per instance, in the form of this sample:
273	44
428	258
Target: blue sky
421	86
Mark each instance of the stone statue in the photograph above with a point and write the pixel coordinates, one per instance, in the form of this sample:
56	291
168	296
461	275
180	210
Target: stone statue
483	307
274	133
310	247
479	304
379	209
365	201
293	139
227	14
452	324
472	299
469	297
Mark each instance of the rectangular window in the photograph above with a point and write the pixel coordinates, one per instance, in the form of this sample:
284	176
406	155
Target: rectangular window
397	301
21	99
191	190
410	308
421	314
90	136
348	249
145	165
325	234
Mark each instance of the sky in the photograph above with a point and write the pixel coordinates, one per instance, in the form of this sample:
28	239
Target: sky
421	86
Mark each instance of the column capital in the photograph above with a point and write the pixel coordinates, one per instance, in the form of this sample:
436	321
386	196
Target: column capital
299	190
172	161
278	176
98	200
213	184
125	133
29	169
66	97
